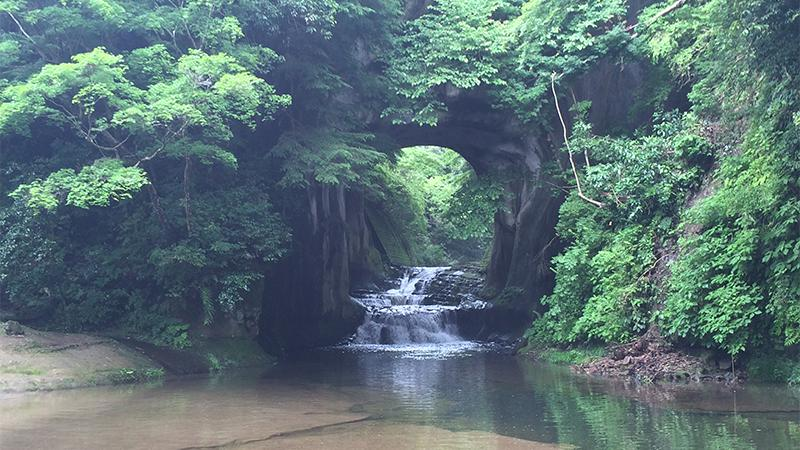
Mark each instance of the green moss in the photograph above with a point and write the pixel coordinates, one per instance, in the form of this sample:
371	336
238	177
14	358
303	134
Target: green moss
393	243
21	369
375	262
509	295
557	356
231	353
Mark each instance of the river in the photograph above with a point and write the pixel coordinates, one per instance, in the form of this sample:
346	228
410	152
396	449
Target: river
415	396
407	379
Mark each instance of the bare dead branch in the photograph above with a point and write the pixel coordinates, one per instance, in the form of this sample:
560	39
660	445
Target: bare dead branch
672	7
186	197
28	36
569	149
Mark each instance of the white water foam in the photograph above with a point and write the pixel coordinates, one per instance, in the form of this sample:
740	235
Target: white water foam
397	316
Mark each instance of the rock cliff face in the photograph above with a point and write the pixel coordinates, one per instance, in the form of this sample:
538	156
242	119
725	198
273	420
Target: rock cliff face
307	301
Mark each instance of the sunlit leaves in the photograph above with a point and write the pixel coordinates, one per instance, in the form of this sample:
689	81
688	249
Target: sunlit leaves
456	44
65	90
188	111
150	65
206	153
511	51
603	288
98	184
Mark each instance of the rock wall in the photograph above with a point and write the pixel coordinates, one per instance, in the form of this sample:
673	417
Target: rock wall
307	302
493	142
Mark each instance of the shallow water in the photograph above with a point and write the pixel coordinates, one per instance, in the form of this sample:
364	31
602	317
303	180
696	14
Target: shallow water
460	395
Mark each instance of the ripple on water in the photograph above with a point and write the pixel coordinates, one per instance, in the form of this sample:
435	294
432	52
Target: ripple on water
447	350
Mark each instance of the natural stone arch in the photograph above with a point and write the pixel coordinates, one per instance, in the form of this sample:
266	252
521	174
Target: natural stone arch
310	305
492	141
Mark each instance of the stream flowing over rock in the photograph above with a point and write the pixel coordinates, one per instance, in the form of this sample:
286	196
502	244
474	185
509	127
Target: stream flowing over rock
424	307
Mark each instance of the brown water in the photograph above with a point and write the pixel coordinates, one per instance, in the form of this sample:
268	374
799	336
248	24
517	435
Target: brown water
451	396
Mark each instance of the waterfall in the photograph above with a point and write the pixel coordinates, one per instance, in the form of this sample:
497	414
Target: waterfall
401	316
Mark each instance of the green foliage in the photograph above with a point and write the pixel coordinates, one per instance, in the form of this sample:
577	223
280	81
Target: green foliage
326	156
736	280
143	129
449	203
95	185
101	99
742	264
509	49
709	298
431	175
133	278
456	44
772	368
236	236
603	289
403	224
549	37
469	214
93	96
734	283
619	307
29	256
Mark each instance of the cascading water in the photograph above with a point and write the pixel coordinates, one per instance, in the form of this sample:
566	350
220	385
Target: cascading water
401	315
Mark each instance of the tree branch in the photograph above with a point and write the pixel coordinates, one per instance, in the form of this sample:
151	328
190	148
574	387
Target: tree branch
186	198
28	36
569	149
675	5
156	202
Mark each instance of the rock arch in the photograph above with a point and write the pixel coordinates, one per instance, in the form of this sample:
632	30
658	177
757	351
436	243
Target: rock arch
492	141
307	302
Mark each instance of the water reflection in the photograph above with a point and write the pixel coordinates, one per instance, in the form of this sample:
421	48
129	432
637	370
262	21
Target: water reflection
466	397
594	412
515	397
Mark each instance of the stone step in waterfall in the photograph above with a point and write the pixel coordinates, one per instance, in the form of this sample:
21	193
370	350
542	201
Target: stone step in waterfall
414	313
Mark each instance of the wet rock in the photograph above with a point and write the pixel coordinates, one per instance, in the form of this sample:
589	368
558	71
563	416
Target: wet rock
454	285
435	304
491	323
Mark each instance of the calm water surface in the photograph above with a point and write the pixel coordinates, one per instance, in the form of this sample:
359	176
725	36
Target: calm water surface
426	396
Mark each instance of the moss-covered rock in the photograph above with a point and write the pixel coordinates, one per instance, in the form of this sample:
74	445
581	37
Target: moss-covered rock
391	241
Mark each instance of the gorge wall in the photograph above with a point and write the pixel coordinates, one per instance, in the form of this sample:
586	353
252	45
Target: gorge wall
307	302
